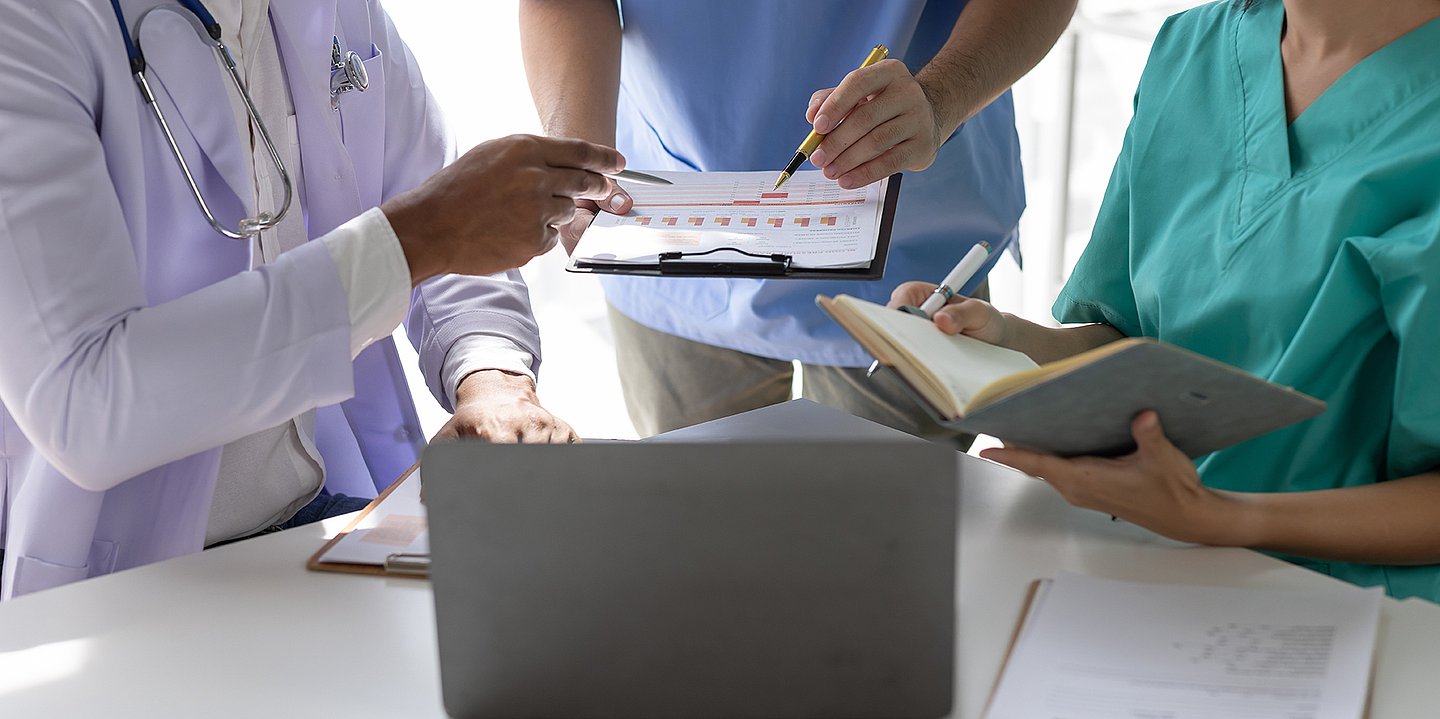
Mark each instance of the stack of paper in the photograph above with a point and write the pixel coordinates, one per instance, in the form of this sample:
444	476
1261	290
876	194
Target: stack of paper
1095	648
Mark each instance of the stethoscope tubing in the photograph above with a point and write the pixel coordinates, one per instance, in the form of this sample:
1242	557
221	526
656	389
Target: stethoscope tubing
250	226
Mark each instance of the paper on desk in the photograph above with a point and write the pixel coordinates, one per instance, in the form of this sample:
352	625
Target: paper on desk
1094	648
397	525
812	219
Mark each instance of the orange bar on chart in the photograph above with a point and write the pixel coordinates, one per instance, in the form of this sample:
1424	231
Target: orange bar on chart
722	221
748	221
642	220
828	220
802	221
669	220
775	221
697	221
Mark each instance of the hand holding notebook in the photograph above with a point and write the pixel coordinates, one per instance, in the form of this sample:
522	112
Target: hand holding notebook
1082	405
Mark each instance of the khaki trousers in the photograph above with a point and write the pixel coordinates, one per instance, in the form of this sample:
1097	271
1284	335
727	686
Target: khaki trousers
671	382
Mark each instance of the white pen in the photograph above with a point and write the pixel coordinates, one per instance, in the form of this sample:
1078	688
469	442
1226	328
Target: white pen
964	270
640	177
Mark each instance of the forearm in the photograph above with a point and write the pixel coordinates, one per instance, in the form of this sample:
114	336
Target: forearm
1394	522
994	43
571	50
1048	344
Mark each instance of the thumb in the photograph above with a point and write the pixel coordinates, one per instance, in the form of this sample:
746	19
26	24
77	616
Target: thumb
1149	434
619	201
910	293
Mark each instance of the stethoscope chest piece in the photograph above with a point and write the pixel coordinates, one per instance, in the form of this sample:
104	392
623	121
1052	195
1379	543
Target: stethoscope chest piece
347	72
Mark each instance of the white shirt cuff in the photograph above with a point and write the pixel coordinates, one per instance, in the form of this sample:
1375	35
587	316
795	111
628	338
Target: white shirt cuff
375	276
473	353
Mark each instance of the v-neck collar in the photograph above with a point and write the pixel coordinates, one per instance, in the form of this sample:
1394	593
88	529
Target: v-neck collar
1256	43
1364	95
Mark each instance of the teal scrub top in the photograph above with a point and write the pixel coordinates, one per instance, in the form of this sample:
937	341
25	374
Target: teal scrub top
1307	253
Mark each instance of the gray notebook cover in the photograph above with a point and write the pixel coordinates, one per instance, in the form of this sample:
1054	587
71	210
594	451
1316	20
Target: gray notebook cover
1204	405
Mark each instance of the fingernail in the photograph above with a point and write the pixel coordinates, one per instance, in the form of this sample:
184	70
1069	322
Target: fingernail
616	202
822	124
818	158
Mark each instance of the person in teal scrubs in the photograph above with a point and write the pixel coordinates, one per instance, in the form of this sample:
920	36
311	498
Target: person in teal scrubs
1276	206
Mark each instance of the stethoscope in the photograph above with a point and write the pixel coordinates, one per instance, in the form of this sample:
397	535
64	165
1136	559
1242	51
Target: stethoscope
347	73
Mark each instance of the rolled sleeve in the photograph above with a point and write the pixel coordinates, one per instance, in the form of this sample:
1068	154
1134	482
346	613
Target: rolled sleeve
477	353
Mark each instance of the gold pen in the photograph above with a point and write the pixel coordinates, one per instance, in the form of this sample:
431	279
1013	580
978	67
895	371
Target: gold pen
813	140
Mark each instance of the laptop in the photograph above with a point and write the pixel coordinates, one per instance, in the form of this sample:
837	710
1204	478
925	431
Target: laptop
750	579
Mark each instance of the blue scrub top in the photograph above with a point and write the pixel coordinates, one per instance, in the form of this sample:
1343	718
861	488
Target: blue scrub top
715	86
1305	252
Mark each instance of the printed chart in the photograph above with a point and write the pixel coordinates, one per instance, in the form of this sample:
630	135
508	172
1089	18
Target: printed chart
811	219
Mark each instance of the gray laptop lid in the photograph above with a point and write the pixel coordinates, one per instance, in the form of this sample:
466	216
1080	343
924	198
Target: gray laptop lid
799	579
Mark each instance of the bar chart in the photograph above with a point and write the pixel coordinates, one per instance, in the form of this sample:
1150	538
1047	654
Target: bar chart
813	219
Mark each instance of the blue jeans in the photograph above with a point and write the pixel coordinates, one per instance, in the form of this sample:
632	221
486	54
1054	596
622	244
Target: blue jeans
323	506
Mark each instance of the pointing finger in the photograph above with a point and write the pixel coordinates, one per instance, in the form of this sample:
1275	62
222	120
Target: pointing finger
856	86
582	155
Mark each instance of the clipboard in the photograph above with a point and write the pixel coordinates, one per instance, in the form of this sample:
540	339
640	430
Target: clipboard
1027	608
772	266
396	564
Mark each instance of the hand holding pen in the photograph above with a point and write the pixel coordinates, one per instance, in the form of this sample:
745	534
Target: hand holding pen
954	313
879	120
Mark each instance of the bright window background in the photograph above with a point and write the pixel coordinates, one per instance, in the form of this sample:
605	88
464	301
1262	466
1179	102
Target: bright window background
1071	115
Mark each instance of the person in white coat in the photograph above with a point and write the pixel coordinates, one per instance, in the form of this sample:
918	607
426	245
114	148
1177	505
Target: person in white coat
164	388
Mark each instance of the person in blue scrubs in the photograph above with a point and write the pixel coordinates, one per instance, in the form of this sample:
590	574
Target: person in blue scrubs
736	85
1276	206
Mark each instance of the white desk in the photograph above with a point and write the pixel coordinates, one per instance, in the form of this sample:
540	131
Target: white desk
245	631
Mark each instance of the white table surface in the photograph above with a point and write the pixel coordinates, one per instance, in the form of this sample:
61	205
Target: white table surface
244	630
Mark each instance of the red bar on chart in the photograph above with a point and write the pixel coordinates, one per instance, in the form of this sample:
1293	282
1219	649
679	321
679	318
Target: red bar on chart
802	221
722	221
642	220
774	195
697	221
748	221
830	220
669	220
775	221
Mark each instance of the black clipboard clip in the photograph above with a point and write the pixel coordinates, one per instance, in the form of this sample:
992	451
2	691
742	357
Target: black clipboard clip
678	263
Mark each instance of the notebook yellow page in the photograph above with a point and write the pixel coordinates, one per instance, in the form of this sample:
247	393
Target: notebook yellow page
949	370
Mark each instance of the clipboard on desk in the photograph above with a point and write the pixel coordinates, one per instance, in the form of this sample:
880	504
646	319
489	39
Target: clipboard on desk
706	225
389	537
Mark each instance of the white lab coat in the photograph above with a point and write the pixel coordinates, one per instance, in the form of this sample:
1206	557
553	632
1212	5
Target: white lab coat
134	342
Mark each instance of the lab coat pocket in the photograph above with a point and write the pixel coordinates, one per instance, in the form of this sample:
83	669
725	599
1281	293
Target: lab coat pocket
362	129
33	575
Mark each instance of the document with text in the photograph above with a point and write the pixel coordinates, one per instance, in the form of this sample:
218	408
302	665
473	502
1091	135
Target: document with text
739	217
1097	648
